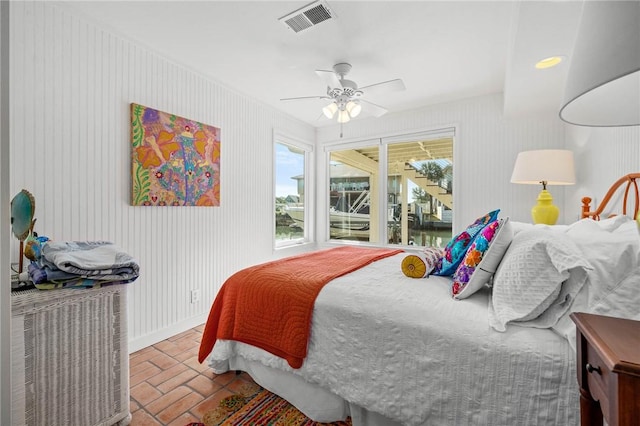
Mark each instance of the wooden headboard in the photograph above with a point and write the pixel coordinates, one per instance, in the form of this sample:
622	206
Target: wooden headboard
630	188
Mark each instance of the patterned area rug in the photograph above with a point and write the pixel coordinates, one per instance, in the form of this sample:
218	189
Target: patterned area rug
254	405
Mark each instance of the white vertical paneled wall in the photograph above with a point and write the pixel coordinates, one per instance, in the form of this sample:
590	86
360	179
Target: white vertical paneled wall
603	154
5	235
71	86
485	149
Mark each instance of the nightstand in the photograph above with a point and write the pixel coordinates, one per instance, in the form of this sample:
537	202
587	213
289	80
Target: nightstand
608	366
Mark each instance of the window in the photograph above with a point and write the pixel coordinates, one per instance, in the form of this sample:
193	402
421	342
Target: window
411	205
353	183
292	171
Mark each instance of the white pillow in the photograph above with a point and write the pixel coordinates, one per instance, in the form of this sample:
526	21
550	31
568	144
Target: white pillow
624	302
612	247
518	227
611	224
526	226
537	280
490	260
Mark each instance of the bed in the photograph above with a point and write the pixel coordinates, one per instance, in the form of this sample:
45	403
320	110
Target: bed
499	349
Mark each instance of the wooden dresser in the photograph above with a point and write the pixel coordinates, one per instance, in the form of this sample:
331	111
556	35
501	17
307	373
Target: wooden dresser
608	367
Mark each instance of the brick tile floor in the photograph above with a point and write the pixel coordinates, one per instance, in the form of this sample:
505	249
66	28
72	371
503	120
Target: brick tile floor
169	386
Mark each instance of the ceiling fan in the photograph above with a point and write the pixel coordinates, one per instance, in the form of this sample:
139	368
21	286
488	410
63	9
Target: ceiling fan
346	96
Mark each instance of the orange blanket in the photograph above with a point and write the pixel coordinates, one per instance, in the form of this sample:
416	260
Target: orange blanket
270	305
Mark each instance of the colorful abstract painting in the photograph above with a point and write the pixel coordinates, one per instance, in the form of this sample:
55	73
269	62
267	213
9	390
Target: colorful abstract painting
176	161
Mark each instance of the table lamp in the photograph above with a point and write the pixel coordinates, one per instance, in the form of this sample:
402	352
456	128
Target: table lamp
546	167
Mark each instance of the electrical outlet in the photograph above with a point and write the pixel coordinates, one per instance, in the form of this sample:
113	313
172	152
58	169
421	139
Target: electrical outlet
195	296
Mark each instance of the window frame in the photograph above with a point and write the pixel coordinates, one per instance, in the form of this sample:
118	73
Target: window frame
309	189
328	149
382	142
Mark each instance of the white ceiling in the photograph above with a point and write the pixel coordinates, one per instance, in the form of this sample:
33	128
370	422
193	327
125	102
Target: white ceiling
443	51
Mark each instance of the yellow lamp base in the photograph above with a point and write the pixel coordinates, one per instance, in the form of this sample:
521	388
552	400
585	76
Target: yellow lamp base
545	212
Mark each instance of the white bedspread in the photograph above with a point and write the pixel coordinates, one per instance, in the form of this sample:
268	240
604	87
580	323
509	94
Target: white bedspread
404	348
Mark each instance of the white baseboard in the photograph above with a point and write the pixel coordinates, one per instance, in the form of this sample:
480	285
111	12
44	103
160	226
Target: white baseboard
160	335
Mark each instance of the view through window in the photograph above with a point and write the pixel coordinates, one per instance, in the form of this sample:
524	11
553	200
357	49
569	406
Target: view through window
416	202
290	219
353	204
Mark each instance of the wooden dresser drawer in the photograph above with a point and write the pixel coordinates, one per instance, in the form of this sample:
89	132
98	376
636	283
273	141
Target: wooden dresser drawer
598	378
608	369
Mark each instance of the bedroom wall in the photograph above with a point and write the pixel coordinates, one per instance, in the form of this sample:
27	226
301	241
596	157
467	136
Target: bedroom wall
5	235
485	149
604	155
71	85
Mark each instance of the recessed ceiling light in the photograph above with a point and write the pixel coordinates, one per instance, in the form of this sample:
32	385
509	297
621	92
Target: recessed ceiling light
549	62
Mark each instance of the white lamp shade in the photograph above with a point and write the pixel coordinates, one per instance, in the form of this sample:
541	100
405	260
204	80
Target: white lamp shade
343	116
553	166
329	110
353	108
603	85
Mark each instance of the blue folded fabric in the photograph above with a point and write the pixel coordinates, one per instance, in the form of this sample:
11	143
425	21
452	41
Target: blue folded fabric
83	264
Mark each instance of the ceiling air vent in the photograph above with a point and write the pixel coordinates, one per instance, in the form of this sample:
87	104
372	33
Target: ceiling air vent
307	16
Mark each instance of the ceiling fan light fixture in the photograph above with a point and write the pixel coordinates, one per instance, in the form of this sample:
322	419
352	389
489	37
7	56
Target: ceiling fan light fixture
353	108
344	96
330	110
343	116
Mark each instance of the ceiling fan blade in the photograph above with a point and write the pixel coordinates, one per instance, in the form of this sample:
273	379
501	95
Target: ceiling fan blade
329	78
322	117
373	109
391	85
305	97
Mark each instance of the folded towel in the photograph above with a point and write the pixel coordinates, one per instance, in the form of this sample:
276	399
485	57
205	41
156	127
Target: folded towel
40	274
46	278
96	260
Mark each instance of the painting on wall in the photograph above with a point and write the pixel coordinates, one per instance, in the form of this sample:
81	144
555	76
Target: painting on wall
176	161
